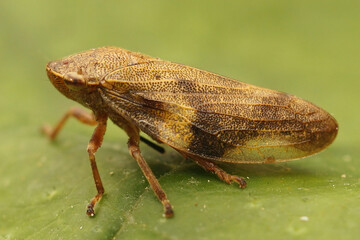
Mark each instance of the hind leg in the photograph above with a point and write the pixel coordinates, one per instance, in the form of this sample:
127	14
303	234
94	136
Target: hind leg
224	176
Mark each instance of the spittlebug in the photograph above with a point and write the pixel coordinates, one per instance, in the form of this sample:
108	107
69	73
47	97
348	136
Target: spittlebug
204	116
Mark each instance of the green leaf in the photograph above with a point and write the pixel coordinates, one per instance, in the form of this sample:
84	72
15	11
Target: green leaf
305	48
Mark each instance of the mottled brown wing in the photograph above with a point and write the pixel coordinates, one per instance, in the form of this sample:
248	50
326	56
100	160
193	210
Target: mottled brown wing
214	117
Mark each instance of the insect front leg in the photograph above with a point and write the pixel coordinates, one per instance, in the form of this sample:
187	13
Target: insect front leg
94	144
224	176
79	113
89	119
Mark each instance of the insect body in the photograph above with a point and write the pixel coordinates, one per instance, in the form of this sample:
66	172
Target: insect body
204	116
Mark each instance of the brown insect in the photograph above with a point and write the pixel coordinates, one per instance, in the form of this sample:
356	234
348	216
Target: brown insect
204	116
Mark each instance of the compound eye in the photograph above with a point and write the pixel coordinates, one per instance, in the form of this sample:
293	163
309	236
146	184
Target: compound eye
74	81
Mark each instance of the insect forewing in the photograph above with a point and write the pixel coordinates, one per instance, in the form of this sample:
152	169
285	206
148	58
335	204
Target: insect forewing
207	115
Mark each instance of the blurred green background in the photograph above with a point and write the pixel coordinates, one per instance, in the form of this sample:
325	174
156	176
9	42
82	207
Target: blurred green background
307	48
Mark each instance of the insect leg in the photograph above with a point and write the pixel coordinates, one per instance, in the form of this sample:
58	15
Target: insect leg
79	113
94	143
153	145
134	150
224	176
